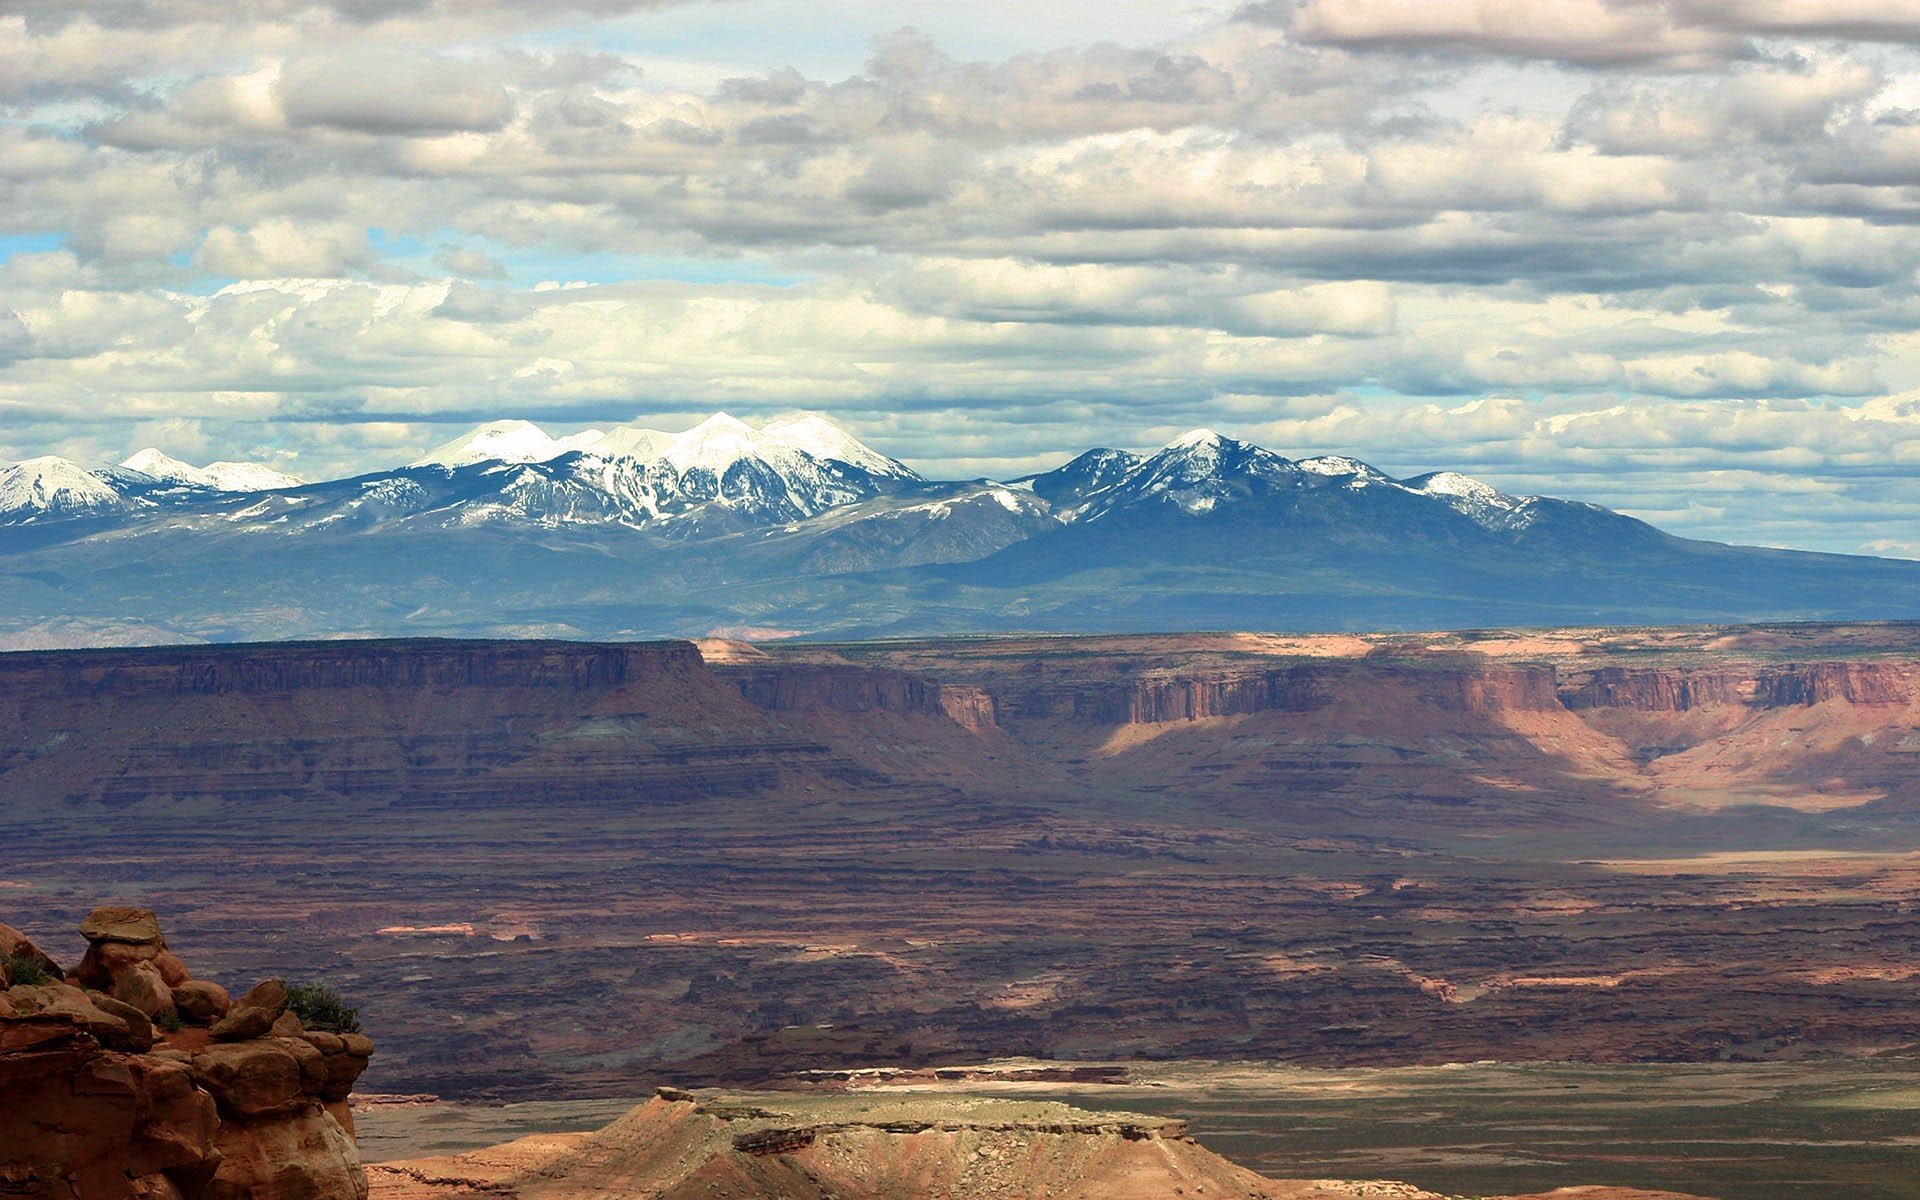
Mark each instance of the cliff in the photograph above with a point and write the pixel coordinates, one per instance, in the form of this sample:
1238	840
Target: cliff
129	1078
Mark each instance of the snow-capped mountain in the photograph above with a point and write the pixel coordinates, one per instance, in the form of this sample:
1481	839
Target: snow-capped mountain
503	441
217	476
722	474
796	525
49	488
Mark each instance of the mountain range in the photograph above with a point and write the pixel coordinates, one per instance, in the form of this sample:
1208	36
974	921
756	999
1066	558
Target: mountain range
797	528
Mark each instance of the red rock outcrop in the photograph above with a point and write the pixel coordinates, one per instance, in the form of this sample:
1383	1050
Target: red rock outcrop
95	1106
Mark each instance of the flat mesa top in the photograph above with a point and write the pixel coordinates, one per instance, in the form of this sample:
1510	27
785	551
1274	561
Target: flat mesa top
780	1111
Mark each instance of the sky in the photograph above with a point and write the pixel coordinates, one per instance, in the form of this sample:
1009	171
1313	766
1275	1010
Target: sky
1656	254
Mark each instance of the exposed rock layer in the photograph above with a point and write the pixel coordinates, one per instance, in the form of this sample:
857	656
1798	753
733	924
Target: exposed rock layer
766	1147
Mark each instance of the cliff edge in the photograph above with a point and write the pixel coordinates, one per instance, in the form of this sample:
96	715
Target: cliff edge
128	1078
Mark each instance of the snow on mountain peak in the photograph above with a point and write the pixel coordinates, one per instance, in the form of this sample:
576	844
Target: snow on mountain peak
1452	483
504	441
819	435
52	484
1474	498
1195	439
631	441
1337	465
220	476
716	444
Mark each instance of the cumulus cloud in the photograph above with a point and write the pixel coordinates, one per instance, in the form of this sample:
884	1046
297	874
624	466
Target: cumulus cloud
1588	32
1652	252
392	93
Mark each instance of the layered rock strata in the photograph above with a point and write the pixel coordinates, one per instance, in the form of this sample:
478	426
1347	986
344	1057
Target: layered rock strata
682	1145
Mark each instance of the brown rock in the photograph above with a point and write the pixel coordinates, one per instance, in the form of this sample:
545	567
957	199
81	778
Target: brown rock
270	994
123	924
14	944
242	1024
81	1122
251	1079
201	1002
64	1002
171	968
139	1025
287	1025
343	1065
309	1157
143	988
105	962
313	1064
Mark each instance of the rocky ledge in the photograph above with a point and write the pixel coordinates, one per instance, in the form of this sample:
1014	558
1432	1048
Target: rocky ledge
127	1077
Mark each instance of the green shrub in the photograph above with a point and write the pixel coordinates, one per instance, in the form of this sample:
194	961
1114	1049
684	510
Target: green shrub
170	1022
28	972
320	1007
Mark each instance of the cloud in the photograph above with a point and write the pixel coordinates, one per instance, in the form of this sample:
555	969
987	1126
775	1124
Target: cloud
380	93
469	263
279	247
1607	33
1413	230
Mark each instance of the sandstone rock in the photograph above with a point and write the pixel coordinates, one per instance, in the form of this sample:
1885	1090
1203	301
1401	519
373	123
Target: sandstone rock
68	1003
250	1079
201	1002
313	1064
269	994
144	989
171	968
81	1122
344	1057
123	924
139	1025
105	962
243	1024
253	1117
309	1157
14	944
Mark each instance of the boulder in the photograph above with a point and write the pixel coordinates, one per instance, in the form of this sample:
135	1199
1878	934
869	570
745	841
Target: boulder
270	994
287	1025
345	1057
171	968
243	1024
14	944
306	1157
105	962
139	1025
201	1002
67	1003
143	988
250	1080
136	926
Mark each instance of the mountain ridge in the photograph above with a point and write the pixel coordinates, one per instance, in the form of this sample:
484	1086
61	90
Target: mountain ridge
796	528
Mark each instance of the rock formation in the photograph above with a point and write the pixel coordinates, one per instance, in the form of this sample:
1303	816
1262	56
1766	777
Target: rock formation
129	1078
681	1145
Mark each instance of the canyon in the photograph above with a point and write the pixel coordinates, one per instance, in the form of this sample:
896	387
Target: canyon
725	863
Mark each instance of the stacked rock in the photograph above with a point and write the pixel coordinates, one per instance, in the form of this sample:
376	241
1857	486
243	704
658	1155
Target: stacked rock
127	958
245	1105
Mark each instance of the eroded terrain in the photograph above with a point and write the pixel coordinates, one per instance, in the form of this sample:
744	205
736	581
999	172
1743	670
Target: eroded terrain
558	869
